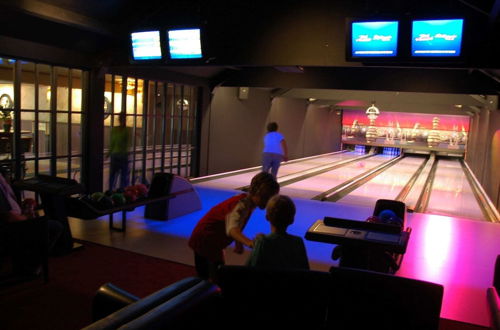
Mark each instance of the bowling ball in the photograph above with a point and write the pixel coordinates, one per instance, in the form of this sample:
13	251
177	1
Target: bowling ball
108	192
132	189
88	199
118	199
361	164
397	221
85	198
105	203
142	190
373	219
96	196
120	190
385	215
130	195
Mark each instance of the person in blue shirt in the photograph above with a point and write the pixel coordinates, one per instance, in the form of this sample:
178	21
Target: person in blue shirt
275	150
279	249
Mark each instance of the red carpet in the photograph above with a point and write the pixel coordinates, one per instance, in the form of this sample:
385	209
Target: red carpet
65	302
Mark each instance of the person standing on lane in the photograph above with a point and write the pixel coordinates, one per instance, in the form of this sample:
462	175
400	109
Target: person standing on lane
275	150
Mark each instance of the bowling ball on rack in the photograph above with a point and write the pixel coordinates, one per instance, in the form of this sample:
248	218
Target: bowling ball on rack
96	196
118	199
108	192
105	203
142	190
130	195
131	188
88	200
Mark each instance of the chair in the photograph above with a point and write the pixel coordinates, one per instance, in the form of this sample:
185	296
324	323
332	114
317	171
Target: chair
20	241
174	307
363	299
278	298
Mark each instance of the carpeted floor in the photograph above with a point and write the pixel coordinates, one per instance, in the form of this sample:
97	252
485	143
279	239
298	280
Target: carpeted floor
65	302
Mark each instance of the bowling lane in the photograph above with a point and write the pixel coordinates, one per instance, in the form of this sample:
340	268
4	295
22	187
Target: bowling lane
386	185
315	185
451	193
286	169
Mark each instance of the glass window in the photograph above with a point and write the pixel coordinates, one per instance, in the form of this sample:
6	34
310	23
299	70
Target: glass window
76	90
28	77
6	92
62	134
44	89
162	133
62	75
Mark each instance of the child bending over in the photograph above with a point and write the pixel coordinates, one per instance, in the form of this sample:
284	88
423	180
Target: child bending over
225	222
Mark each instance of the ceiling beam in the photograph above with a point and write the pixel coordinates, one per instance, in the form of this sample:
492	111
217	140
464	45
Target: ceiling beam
58	15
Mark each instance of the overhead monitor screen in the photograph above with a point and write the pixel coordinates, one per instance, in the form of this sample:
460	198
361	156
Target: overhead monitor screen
146	45
374	39
184	44
437	38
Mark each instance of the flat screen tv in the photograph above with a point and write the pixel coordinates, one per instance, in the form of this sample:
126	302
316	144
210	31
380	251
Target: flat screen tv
184	43
146	45
374	39
437	38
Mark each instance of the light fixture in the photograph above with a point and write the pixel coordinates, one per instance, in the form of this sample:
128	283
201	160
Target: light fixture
182	104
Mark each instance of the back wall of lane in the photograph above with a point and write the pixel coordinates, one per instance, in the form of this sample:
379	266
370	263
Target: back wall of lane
236	128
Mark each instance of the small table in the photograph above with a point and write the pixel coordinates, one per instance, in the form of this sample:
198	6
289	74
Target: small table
54	192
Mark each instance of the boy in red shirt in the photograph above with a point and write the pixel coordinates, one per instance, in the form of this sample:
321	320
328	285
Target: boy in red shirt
225	222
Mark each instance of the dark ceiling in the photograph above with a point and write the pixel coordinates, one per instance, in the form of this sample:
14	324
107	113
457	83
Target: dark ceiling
102	26
249	37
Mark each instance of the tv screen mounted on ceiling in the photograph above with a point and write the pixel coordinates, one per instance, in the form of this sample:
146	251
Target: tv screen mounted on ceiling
374	39
437	38
184	43
146	45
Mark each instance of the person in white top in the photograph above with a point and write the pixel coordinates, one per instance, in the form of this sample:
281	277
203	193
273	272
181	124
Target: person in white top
275	150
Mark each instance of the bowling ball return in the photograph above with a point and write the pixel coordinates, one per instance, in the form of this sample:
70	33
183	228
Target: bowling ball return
365	245
168	198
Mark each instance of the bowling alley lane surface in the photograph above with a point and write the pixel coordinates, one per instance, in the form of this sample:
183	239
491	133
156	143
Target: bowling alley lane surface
309	178
315	185
386	185
451	192
238	179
